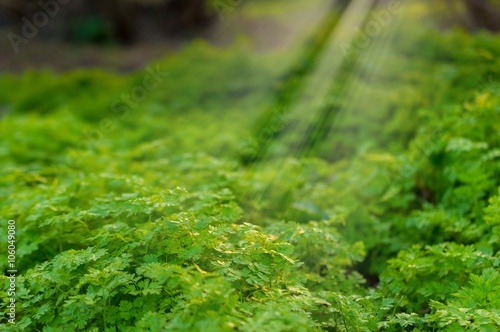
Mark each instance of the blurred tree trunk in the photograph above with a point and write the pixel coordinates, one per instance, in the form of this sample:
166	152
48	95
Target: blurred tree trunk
483	15
122	15
133	20
181	16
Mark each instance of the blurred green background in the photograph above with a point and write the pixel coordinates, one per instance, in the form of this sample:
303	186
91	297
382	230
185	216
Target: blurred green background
364	133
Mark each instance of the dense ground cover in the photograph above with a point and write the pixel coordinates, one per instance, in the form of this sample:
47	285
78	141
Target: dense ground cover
144	214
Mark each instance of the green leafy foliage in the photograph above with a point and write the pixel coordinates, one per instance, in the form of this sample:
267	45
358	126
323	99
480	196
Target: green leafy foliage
153	224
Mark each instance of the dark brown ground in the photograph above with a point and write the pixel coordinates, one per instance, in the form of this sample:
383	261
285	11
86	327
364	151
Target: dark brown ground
265	32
